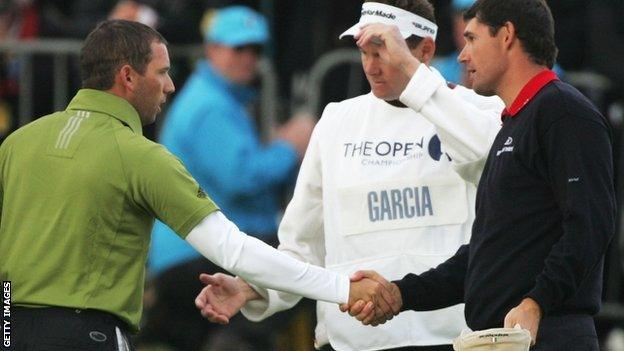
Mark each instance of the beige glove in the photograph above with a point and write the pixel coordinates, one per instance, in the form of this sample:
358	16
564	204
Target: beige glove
497	339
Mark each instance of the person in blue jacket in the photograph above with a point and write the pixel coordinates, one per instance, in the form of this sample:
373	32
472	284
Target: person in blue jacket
210	128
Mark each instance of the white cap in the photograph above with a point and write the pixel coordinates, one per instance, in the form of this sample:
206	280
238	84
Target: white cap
407	22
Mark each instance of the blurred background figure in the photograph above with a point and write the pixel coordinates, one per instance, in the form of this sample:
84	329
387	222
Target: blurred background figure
448	65
176	19
17	22
26	20
211	128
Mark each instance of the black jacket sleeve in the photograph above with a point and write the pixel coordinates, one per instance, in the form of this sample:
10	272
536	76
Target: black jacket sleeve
438	287
579	164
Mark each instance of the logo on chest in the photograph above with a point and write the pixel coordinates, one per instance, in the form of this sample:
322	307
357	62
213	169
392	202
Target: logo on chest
389	153
507	147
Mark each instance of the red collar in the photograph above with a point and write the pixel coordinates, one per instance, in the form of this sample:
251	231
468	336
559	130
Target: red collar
528	92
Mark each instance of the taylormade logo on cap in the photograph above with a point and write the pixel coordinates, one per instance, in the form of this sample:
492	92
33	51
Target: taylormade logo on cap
407	22
378	13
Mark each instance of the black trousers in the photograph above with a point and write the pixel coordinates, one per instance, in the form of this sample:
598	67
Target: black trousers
571	332
66	329
409	348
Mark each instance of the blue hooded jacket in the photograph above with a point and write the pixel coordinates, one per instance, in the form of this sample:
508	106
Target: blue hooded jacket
209	128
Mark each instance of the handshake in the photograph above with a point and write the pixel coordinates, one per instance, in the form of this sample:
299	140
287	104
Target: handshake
372	299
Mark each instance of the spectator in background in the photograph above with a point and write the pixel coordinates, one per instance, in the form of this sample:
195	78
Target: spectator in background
16	22
177	20
22	21
210	129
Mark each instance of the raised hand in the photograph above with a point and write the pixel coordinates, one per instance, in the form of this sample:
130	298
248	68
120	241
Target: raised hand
223	297
391	46
382	307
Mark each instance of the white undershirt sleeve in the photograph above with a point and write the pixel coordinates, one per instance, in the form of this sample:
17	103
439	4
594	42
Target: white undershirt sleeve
466	122
220	241
302	230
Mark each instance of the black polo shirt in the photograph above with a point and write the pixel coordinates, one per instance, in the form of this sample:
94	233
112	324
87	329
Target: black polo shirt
545	213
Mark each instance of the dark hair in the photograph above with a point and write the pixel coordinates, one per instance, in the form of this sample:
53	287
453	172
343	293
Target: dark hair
532	20
422	8
112	44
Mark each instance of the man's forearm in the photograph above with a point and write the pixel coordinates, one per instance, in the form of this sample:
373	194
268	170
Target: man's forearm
220	241
437	288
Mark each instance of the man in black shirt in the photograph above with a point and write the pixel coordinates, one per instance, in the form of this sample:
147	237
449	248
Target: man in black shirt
545	209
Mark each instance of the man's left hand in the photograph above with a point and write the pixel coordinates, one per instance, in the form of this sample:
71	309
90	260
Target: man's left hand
223	297
528	315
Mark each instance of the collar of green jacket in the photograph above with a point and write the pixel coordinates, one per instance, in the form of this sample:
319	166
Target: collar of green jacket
107	103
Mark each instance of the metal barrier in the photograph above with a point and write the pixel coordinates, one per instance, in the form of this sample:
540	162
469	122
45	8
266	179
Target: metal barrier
60	50
593	84
322	68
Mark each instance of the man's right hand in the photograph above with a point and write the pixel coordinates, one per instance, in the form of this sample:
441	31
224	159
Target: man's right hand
391	47
383	303
223	297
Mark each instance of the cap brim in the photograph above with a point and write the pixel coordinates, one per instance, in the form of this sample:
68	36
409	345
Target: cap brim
355	29
240	39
